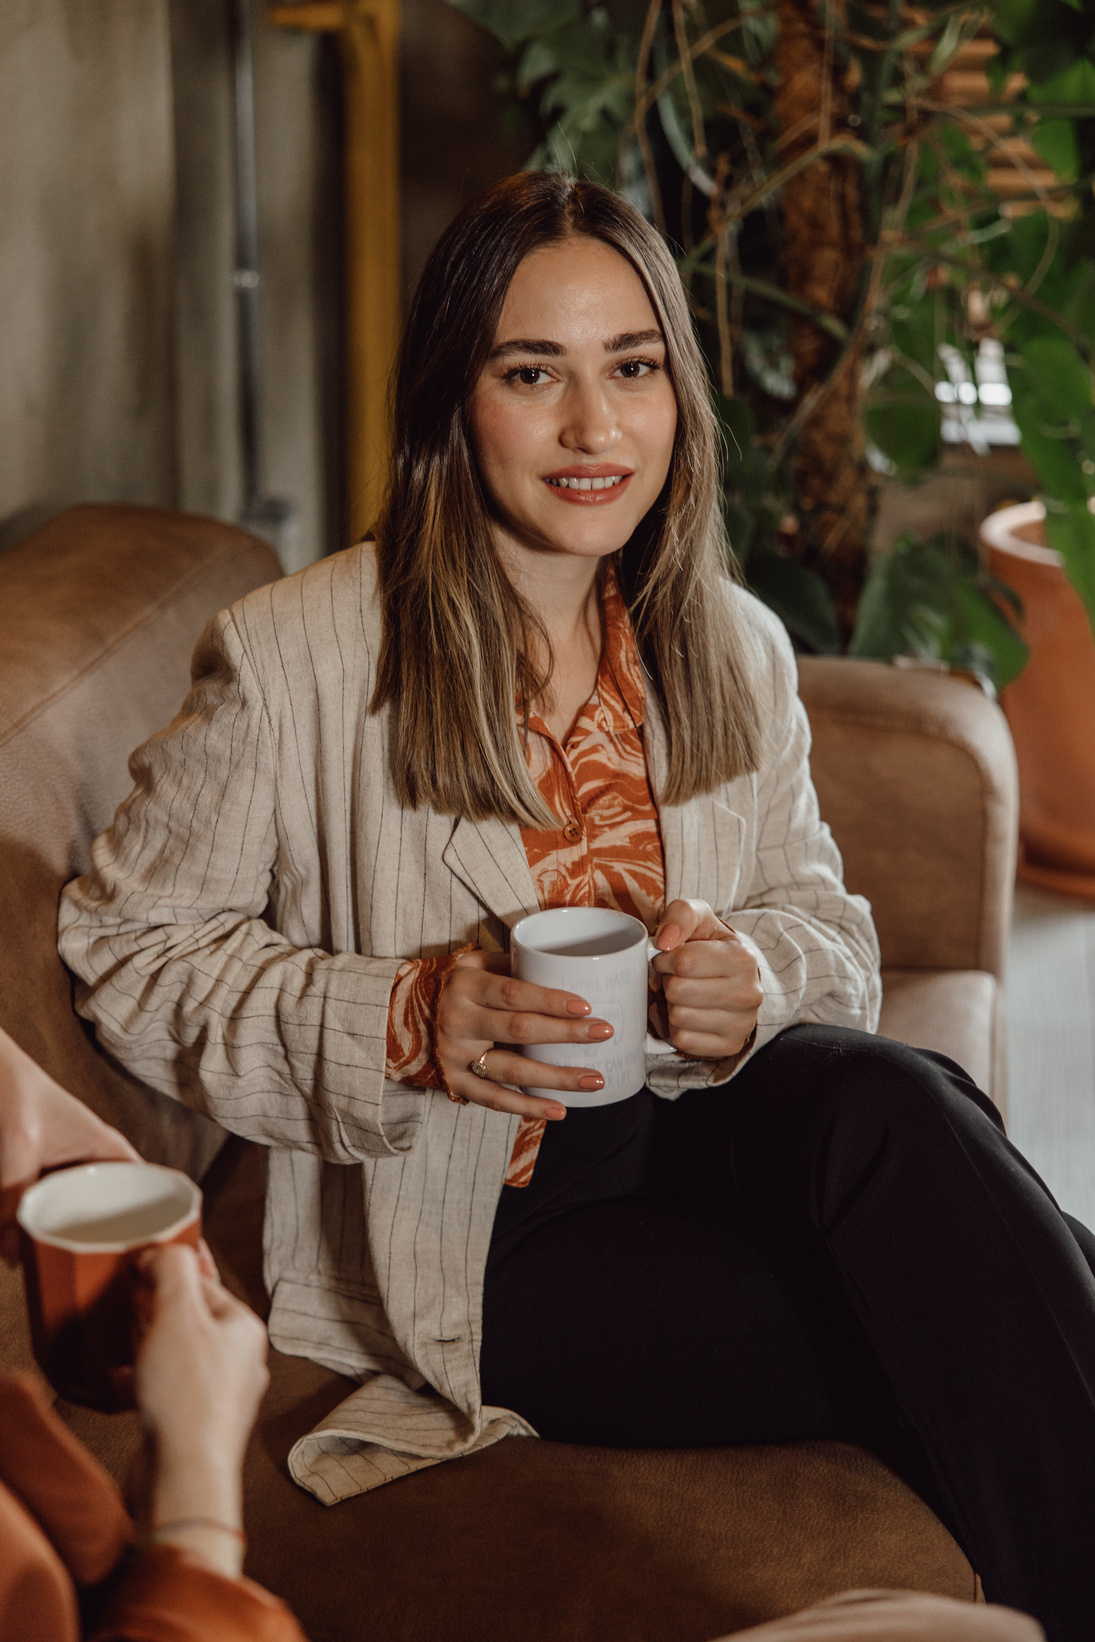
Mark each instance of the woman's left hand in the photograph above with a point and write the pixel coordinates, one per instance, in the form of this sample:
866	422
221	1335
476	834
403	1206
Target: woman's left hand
709	980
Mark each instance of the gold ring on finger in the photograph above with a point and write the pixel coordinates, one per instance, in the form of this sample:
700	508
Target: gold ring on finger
479	1067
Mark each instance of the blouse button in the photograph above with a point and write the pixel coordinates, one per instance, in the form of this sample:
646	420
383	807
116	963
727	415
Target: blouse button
572	832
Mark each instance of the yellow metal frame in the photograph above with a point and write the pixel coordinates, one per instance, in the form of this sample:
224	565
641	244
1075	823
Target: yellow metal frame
368	35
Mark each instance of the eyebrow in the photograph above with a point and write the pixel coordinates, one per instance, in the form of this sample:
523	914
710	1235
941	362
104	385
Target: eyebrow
541	348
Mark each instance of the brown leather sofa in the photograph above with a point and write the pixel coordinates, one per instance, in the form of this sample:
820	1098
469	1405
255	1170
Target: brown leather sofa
98	614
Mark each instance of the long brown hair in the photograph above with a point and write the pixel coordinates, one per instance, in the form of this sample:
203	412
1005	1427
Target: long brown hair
456	651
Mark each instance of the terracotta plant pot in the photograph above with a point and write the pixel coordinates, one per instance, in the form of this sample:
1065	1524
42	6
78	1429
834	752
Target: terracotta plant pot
1050	707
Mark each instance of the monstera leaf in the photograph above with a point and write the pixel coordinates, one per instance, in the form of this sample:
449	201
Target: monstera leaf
514	21
932	600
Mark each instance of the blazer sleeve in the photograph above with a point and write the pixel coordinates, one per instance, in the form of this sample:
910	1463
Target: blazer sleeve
815	943
186	983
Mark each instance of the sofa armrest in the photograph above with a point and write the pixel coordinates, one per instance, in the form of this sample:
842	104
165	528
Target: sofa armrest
915	774
101	608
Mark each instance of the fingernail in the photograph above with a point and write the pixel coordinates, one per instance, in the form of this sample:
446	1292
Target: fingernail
555	1113
668	937
592	1080
577	1006
599	1030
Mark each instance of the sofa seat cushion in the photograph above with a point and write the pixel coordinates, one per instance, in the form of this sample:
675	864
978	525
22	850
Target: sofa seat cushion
543	1540
952	1011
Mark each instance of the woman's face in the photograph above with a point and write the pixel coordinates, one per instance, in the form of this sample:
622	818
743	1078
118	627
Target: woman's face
574	415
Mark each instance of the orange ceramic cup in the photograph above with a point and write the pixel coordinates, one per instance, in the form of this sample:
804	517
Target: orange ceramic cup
82	1231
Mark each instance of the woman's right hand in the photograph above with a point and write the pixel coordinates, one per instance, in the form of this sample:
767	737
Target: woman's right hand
201	1374
42	1126
484	1009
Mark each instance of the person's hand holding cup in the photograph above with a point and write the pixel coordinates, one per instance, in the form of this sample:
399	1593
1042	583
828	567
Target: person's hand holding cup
201	1374
488	1015
42	1127
708	983
83	1231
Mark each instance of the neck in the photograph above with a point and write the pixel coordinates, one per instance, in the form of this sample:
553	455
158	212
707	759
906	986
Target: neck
559	588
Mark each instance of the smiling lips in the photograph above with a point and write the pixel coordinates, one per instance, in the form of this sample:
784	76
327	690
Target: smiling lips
588	486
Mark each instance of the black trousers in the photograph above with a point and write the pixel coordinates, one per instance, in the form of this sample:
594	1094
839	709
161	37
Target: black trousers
839	1244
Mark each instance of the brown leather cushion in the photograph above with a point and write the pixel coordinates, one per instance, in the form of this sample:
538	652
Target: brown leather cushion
542	1540
101	610
952	1011
915	774
546	1540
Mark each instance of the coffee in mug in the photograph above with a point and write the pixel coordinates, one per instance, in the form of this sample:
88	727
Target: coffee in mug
81	1231
603	956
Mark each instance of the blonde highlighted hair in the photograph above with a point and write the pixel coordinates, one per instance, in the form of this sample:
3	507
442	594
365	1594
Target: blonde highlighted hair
456	651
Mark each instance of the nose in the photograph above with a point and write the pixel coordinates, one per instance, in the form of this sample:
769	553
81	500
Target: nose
590	423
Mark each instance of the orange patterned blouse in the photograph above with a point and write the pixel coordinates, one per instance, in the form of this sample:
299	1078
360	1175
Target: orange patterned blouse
606	851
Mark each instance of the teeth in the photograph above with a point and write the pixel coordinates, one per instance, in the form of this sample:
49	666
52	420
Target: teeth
589	484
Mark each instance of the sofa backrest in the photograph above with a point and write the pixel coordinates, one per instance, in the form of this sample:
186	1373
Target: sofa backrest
99	613
915	774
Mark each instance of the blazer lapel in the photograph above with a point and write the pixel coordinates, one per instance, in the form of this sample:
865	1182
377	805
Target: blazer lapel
489	858
703	840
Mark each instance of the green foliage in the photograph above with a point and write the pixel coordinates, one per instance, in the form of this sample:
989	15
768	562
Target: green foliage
902	421
952	265
1056	142
1052	390
588	79
515	21
932	599
757	498
799	598
1071	530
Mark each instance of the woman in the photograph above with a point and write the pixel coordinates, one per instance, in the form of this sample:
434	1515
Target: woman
200	1375
540	687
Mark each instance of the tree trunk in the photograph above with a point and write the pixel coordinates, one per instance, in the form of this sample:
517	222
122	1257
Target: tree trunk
824	251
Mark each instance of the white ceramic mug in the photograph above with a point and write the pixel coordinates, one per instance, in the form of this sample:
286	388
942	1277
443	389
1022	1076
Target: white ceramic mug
603	957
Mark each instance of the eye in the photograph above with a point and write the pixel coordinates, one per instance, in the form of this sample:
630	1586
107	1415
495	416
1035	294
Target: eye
633	370
527	376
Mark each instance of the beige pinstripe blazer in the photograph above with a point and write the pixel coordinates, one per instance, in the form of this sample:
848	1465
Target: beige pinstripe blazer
235	945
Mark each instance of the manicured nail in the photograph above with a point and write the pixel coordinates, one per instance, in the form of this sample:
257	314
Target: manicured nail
600	1030
577	1006
668	937
591	1080
555	1113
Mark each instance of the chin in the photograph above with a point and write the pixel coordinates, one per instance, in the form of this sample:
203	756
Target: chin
597	539
585	536
595	548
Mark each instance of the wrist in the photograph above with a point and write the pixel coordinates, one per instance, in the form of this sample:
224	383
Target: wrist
195	1485
219	1546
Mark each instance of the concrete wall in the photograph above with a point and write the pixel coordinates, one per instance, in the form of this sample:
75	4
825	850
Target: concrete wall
86	280
117	326
300	267
117	317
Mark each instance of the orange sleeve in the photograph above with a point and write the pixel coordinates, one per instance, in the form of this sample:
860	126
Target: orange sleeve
37	1597
412	1014
167	1595
77	1503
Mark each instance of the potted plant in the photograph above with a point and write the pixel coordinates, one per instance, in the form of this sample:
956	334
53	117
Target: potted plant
1050	706
884	219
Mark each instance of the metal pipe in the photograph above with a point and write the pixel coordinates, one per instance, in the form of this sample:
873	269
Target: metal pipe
267	516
